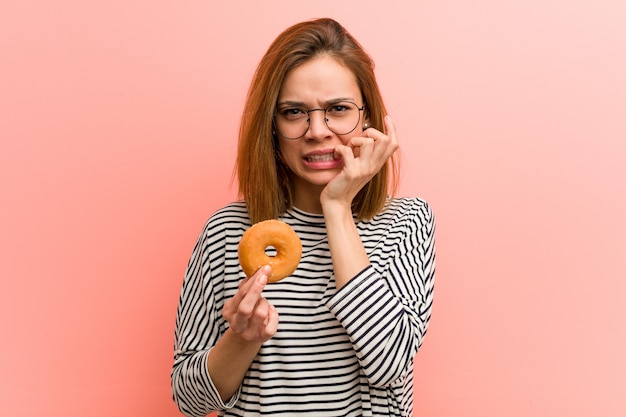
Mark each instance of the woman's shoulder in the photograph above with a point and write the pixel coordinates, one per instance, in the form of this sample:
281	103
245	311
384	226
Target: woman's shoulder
232	215
408	209
408	204
235	210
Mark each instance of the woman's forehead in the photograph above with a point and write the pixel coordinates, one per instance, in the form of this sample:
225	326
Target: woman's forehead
319	81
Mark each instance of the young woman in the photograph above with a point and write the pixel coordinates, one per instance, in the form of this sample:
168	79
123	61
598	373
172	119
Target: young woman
338	336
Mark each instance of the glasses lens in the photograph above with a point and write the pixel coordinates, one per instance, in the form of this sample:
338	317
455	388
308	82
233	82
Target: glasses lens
293	122
343	117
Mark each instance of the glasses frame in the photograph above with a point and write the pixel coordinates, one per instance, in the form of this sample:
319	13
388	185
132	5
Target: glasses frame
308	120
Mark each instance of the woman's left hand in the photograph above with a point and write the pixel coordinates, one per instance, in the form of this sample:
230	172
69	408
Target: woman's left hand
363	156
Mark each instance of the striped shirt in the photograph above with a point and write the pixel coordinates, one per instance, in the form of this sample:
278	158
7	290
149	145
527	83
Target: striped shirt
346	352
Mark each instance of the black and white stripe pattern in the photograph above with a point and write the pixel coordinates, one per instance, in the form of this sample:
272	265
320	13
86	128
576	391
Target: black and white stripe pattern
336	353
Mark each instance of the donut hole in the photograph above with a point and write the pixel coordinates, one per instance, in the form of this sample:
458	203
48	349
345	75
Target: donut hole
271	251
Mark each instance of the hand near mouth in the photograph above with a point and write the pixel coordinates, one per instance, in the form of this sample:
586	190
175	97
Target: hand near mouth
363	156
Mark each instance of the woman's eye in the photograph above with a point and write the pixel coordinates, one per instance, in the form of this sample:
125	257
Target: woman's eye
292	112
339	109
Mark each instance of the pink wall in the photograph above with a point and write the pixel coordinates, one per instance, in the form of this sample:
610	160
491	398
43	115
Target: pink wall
118	122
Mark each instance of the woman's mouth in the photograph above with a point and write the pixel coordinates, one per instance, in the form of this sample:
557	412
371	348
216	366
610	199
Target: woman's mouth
326	157
322	160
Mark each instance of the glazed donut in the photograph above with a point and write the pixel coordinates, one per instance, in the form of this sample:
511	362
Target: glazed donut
270	233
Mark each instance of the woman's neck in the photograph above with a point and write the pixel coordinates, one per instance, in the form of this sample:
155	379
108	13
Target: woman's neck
308	198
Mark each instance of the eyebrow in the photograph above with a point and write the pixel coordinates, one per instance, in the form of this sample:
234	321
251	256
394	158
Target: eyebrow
302	104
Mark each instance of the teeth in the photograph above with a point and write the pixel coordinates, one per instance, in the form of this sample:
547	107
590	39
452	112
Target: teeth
320	158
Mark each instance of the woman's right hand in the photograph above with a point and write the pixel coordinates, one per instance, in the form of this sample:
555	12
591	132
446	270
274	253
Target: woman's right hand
250	315
252	321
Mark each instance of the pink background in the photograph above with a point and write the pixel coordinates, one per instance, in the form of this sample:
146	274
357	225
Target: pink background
118	124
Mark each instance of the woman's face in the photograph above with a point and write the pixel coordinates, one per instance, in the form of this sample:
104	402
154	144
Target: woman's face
314	85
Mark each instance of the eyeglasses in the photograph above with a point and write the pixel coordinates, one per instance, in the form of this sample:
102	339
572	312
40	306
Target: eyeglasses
341	118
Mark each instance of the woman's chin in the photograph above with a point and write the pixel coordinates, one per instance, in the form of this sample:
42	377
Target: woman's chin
317	179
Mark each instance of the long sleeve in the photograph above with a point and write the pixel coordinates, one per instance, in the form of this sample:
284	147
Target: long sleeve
336	352
198	327
386	308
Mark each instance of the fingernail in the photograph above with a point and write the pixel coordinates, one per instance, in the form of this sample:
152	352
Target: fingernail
265	272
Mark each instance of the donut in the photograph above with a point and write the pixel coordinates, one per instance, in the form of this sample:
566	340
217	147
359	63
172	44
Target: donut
270	233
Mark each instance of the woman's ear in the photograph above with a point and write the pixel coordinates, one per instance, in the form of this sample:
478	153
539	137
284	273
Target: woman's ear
366	117
366	123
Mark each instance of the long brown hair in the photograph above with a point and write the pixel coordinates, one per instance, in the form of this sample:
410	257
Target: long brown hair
264	180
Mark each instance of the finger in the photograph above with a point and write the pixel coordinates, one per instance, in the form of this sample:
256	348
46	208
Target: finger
358	141
346	153
244	281
243	288
272	323
248	293
362	143
390	127
253	294
255	327
389	131
250	278
385	144
362	146
260	316
264	325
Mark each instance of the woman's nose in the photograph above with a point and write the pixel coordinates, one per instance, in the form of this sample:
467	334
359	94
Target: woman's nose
318	129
